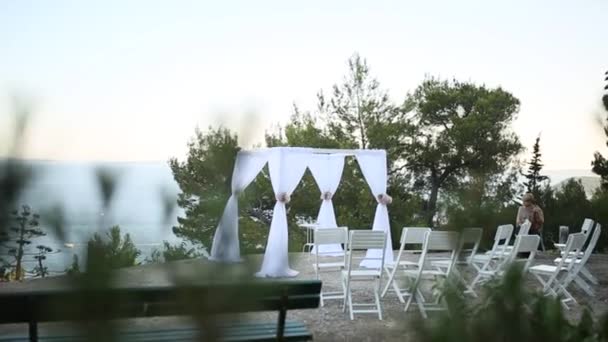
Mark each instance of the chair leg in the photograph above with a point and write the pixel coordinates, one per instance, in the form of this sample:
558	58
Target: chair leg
391	278
346	290
377	295
421	307
409	301
397	290
585	272
582	284
350	305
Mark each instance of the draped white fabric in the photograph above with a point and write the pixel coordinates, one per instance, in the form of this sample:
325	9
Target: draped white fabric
327	171
373	166
286	168
225	245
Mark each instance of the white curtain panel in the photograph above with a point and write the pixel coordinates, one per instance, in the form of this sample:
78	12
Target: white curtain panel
373	166
225	247
327	171
286	166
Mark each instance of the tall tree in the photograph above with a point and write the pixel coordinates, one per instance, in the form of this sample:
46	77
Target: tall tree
599	163
533	176
360	114
204	179
455	128
15	243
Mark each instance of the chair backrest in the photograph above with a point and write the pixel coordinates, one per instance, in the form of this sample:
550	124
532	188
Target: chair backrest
503	232
469	237
524	229
501	240
413	235
523	244
597	231
364	240
328	236
574	246
587	225
440	241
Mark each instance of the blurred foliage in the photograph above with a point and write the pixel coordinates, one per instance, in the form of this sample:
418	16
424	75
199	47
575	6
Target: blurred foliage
74	268
172	253
15	243
114	251
507	311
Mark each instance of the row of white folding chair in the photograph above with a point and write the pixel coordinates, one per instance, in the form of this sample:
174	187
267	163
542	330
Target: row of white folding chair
425	267
409	236
469	241
524	252
470	238
585	229
581	258
495	256
356	240
558	275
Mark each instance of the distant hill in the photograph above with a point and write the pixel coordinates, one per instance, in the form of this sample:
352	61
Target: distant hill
590	183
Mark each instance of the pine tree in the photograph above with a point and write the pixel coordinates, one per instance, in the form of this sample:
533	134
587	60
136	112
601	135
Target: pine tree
599	163
534	178
15	242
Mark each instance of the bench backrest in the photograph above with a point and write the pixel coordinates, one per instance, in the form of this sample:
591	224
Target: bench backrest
113	303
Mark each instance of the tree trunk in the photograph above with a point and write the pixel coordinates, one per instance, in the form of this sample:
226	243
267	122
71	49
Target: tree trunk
432	204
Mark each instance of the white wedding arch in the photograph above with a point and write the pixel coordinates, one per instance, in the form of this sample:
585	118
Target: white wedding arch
286	167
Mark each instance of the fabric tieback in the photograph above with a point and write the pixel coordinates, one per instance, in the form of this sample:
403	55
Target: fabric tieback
384	199
283	197
326	196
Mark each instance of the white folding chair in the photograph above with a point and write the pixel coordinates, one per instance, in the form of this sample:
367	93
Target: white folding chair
494	257
585	229
524	229
329	236
409	236
556	275
524	244
360	240
581	262
443	242
470	238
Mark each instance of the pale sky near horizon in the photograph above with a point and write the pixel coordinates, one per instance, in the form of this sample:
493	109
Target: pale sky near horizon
129	80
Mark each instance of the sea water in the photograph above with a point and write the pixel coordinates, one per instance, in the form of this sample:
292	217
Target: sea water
138	205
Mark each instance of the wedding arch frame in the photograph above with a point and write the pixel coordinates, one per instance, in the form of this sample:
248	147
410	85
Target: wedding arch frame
286	167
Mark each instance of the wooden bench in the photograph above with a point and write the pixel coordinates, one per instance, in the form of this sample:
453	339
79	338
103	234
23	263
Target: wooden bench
206	303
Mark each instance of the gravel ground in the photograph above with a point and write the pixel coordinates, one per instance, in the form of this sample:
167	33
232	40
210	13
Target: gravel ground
328	323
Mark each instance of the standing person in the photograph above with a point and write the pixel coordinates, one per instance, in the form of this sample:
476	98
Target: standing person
532	212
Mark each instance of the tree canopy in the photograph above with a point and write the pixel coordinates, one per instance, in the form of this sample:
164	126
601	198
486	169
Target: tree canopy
454	129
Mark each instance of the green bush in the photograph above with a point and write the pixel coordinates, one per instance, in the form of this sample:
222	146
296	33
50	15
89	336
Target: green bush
114	251
172	253
507	311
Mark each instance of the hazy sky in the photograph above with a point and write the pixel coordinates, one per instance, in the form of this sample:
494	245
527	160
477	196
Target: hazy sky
129	80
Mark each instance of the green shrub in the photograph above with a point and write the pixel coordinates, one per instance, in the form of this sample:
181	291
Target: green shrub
507	311
173	253
114	251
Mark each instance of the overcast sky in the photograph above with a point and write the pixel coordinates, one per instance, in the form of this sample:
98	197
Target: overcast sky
129	80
